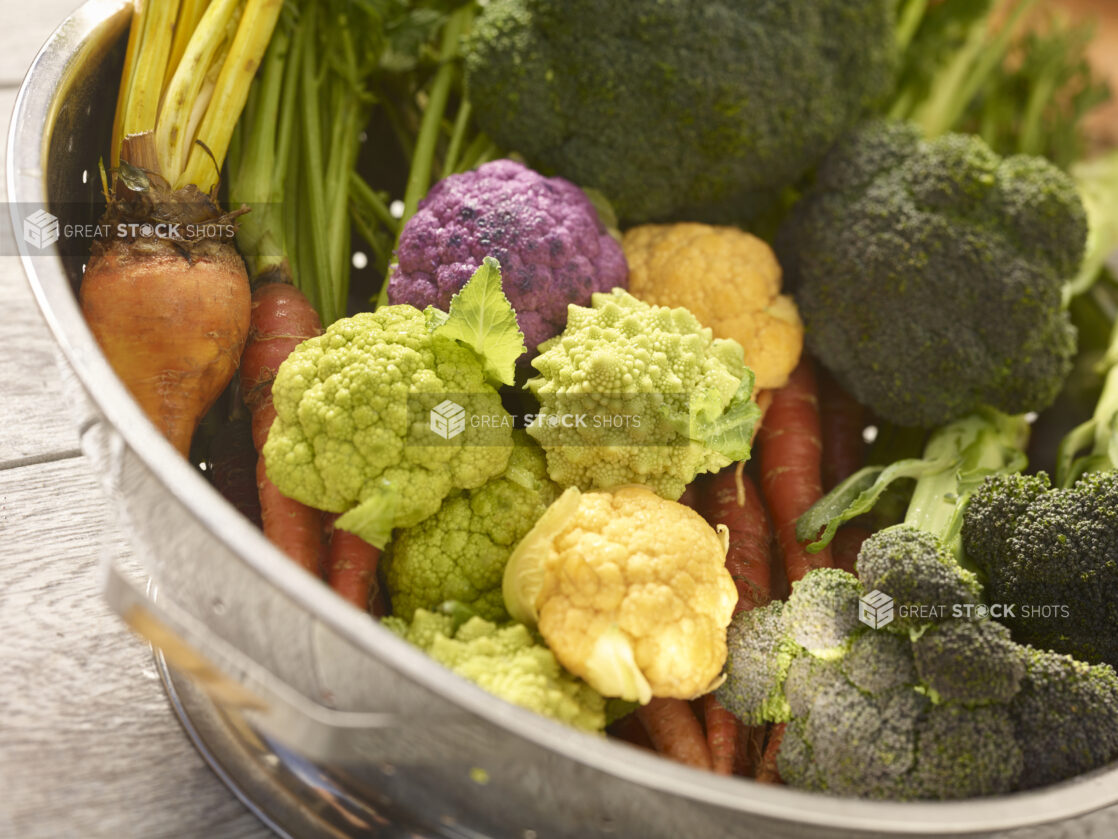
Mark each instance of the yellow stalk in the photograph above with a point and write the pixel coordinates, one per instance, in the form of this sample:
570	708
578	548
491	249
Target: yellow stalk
216	130
142	108
172	139
126	75
189	16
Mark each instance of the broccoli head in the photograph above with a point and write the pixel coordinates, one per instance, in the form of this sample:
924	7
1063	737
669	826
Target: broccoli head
460	552
948	709
822	611
758	655
914	568
969	661
1066	717
1051	555
675	108
929	274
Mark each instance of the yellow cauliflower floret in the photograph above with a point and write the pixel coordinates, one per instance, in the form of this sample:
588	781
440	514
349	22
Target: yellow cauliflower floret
729	280
629	590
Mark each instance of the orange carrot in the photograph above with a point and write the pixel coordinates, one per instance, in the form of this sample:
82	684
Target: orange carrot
629	729
731	498
767	773
675	732
842	419
791	447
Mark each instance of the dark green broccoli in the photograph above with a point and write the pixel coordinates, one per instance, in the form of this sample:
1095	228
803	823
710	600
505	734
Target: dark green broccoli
822	610
1066	717
674	108
758	650
931	700
930	274
969	661
1050	555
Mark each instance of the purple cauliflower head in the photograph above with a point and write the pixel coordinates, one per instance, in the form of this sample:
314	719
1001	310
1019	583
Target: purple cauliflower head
545	233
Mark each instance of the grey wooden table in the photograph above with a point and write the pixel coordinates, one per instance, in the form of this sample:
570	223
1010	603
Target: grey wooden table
88	744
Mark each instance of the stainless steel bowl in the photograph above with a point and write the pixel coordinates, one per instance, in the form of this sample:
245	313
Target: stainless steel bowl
365	729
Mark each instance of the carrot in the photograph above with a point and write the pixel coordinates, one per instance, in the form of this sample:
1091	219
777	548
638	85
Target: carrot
165	293
294	528
731	498
282	318
351	567
846	544
722	735
842	419
767	773
629	729
791	447
675	731
233	467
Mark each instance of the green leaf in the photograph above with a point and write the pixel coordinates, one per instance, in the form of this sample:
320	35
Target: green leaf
730	433
857	495
374	517
482	319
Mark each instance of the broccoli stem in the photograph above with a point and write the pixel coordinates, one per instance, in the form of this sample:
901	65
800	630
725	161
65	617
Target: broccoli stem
1099	433
980	444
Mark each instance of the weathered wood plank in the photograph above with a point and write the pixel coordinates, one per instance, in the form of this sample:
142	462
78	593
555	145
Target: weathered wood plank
26	28
34	421
88	744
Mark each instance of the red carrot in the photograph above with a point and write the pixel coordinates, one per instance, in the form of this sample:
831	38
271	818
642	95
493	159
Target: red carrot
791	447
351	566
842	419
281	320
675	731
846	544
294	528
233	467
731	498
767	773
722	735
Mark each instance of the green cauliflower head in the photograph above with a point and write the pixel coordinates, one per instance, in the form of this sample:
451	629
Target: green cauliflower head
341	440
661	399
509	662
460	552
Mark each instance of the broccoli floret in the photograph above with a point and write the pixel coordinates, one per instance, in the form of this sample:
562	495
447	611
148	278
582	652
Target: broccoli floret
863	745
678	109
1052	555
969	661
758	654
966	752
822	611
1065	716
808	677
796	761
930	273
876	662
914	568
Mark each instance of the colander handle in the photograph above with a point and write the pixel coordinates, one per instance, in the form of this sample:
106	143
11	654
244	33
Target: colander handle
229	678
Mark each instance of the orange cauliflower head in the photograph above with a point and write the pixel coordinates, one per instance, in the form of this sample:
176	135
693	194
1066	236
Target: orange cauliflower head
729	280
629	590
